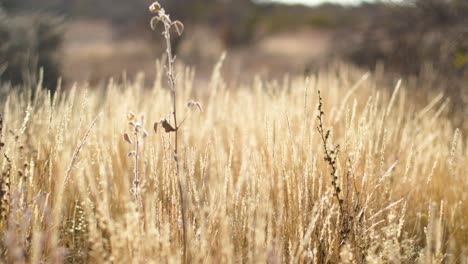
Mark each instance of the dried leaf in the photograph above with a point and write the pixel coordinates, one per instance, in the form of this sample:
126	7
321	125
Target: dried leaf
154	22
167	127
127	138
179	27
145	133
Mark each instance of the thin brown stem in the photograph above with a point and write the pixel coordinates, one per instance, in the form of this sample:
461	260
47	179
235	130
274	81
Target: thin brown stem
136	180
172	83
183	120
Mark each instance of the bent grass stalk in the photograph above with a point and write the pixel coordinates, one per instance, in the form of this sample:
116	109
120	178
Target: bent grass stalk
78	149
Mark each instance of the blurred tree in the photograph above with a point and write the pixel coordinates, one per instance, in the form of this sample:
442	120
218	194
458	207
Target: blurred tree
234	20
411	36
437	33
29	41
8	4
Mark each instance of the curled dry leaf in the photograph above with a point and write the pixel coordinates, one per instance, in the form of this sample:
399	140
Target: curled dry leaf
179	27
167	127
154	22
127	138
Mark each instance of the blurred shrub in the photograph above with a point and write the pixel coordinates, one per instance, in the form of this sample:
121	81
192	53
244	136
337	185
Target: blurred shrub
8	4
406	37
28	43
234	21
276	18
409	37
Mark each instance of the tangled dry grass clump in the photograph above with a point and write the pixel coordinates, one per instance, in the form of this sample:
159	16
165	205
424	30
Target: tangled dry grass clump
258	177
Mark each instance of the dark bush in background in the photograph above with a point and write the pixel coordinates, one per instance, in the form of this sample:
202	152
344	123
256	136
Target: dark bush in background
409	37
29	42
406	37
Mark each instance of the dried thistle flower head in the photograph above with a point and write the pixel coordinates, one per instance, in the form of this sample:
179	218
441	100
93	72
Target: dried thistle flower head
155	7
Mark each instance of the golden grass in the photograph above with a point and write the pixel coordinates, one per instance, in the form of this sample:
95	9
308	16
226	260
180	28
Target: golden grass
257	187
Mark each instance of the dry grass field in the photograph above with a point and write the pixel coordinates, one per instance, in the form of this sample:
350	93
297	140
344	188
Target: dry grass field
255	183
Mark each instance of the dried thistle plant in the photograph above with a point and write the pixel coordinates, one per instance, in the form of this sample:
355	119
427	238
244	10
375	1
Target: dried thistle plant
138	133
331	157
164	18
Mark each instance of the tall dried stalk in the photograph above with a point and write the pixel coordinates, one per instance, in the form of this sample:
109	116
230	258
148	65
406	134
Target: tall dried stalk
161	16
331	156
139	133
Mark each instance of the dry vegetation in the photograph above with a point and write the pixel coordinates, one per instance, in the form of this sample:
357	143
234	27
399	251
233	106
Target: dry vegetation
256	184
332	167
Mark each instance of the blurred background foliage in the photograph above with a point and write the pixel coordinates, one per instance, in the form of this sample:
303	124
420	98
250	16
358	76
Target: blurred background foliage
405	37
29	41
410	39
